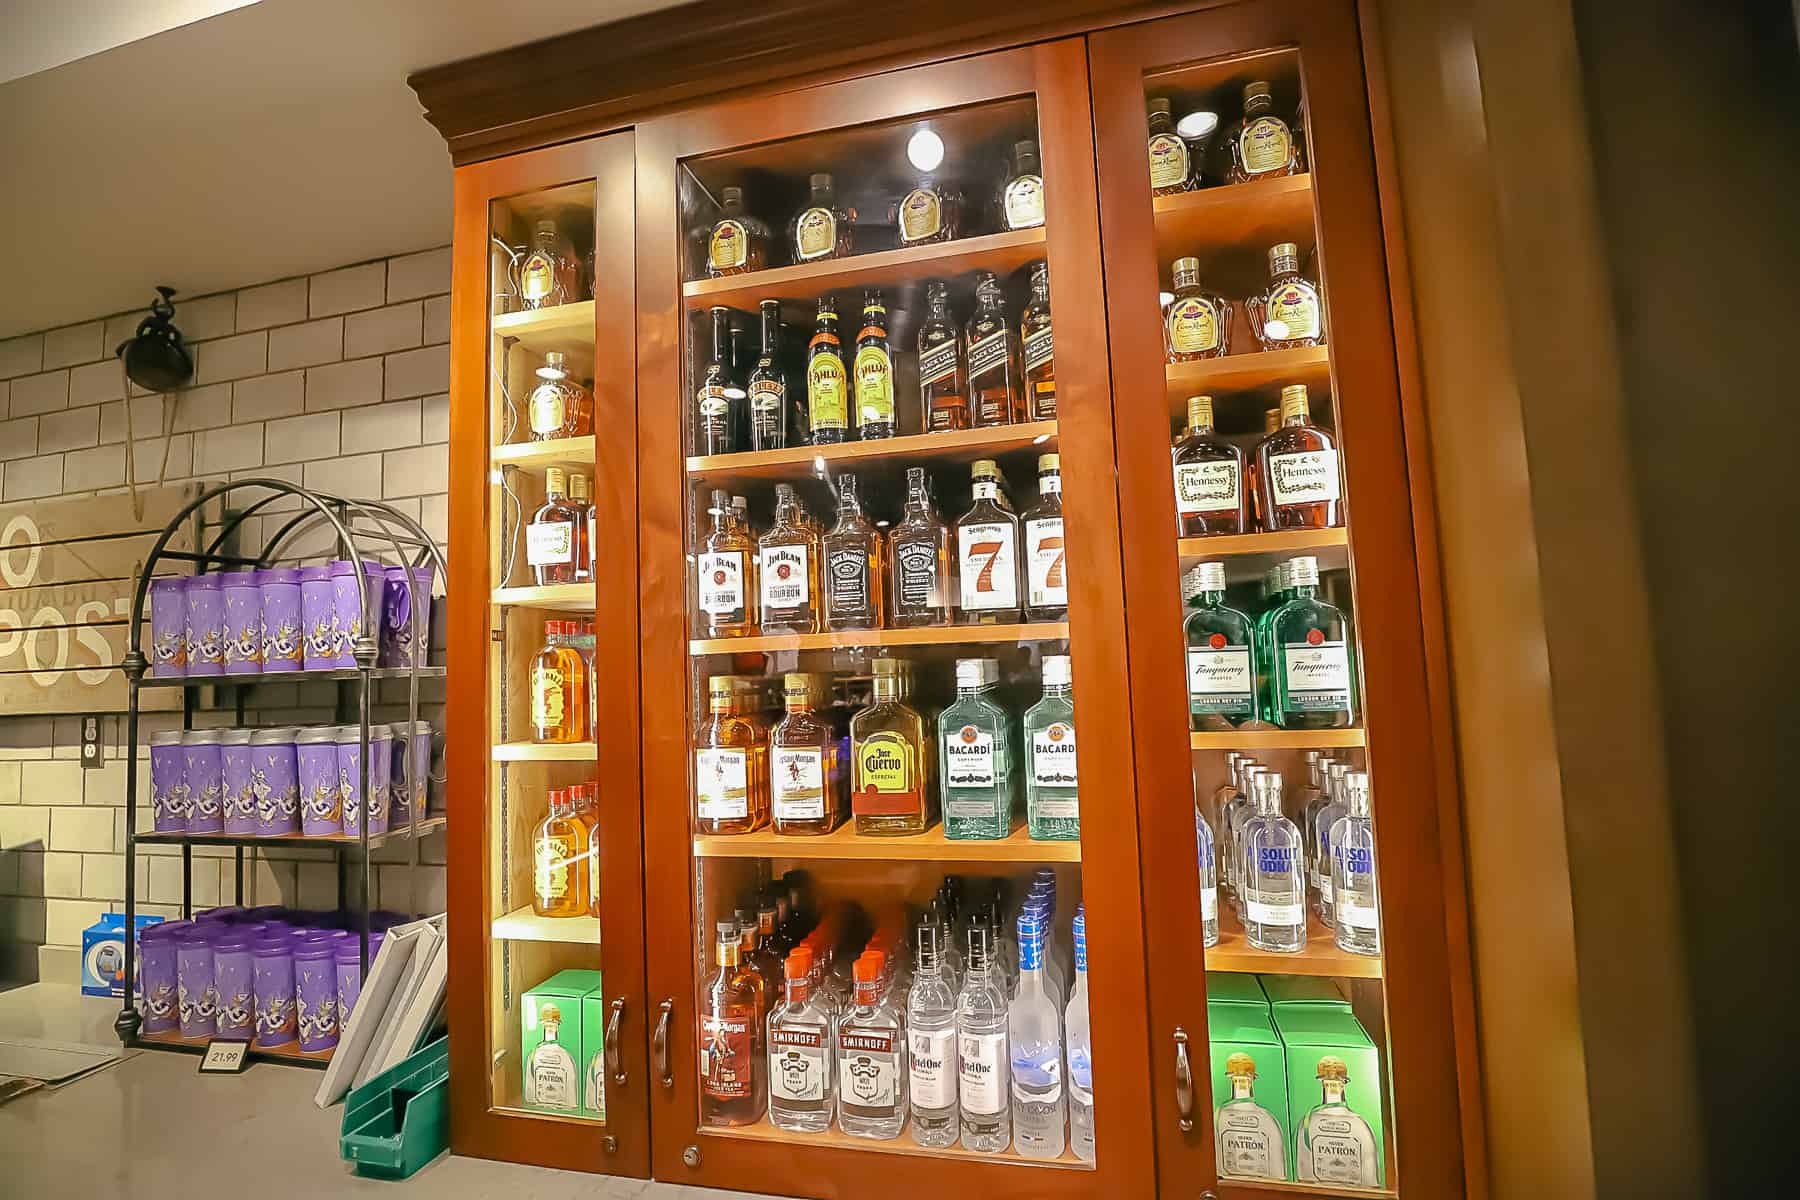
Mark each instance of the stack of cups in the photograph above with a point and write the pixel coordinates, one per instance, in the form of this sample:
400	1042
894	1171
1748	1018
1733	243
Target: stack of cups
275	781
238	798
321	791
168	626
318	621
350	973
315	989
158	975
243	622
204	633
273	987
203	777
401	645
234	975
197	998
168	783
283	632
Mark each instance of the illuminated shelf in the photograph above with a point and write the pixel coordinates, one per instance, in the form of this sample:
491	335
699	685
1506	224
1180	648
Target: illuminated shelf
523	925
1230	229
953	446
1277	739
1267	372
836	1139
566	327
560	597
558	452
549	752
843	843
1249	555
1321	956
934	635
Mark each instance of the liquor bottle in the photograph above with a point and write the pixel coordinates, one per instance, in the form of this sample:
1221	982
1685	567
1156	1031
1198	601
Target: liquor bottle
768	386
827	396
558	406
1310	799
1298	469
1206	851
788	568
1034	1033
730	765
1022	200
1334	1144
931	1045
987	553
943	376
1209	476
1046	563
1313	684
548	273
1037	349
874	372
803	765
928	213
716	415
919	560
1198	322
1263	146
1222	794
1078	1031
977	776
871	1053
1274	882
584	527
1170	168
725	572
554	537
559	877
1052	805
1289	312
1221	654
731	1084
1355	893
995	397
738	241
1251	1144
982	1059
801	1071
1276	592
551	1072
559	690
1237	810
888	748
1253	481
765	976
853	558
822	230
587	810
1335	808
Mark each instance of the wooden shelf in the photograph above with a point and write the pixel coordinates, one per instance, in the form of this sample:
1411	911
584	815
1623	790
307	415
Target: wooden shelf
559	597
567	327
523	925
558	452
955	446
399	832
1321	956
998	252
1278	739
843	843
534	752
836	1139
1266	372
1249	555
1250	1189
1239	221
933	635
290	1053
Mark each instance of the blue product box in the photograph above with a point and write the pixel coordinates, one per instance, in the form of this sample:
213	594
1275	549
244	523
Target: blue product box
103	954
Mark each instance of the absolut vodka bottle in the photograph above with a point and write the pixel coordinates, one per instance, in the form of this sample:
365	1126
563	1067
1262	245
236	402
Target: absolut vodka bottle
1355	892
931	1045
1275	887
1034	1029
1081	1051
1320	844
983	1063
1209	884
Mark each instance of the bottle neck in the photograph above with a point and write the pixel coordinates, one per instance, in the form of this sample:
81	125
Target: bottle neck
799	991
887	689
1040	290
1161	122
771	330
1240	1087
727	953
1186	279
1058	691
822	195
939	306
1257	105
1334	1090
721	339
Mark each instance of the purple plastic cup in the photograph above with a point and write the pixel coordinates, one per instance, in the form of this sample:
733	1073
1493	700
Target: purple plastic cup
275	784
273	989
381	769
283	632
203	774
234	984
204	633
243	622
321	791
410	771
157	978
238	799
315	990
355	617
168	625
168	783
194	981
349	972
349	761
401	645
318	621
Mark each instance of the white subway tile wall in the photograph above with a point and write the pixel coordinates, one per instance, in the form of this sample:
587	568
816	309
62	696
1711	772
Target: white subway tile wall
337	381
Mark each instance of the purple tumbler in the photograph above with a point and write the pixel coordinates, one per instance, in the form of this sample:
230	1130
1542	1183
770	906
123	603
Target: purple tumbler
239	796
315	990
355	616
401	644
168	625
194	980
243	622
156	975
349	972
349	762
205	629
275	781
203	774
318	621
168	782
283	636
273	984
381	770
321	790
234	984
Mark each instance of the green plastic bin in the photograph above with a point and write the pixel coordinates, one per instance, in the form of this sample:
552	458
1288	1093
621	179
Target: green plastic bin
400	1120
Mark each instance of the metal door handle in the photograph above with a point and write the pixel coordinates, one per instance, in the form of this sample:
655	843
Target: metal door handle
659	1044
1184	1082
615	1065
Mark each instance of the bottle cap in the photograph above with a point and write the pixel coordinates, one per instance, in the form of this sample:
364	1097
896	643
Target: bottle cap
546	227
1048	463
797	687
970	672
1186	266
578	488
820	181
1200	412
721	500
1157	104
1025	148
1209	576
721	685
555	366
1056	670
799	959
1293	401
1333	1067
868	966
1282	250
554	479
1271	420
735	195
984	468
784	493
885	666
915	477
1259	88
1303	571
1240	1064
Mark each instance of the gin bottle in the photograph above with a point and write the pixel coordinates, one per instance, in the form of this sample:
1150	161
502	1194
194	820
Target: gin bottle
931	1045
1081	1051
982	1060
1221	657
977	774
1209	880
1034	1029
871	1049
1355	890
1320	845
1251	1144
1313	683
1335	1144
1052	806
1274	886
800	1066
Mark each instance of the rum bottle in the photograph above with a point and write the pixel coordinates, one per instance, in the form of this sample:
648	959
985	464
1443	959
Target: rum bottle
827	398
1198	322
822	230
725	575
987	553
874	372
1297	467
1046	561
549	275
853	560
977	778
731	1084
1170	167
1052	800
718	401
887	742
995	397
1313	685
1037	349
560	851
738	241
558	407
768	386
788	567
1022	200
919	560
1289	312
803	766
1263	146
556	534
559	690
1209	476
802	1072
730	765
1221	655
943	377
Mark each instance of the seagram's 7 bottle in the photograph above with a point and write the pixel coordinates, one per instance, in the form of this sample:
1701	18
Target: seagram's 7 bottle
931	1045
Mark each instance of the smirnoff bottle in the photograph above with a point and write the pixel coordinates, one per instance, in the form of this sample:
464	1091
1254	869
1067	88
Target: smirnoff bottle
801	1074
1355	892
1275	888
981	1050
931	1045
871	1056
1334	1143
1251	1144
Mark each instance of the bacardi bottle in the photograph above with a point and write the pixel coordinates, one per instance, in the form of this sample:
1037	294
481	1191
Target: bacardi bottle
1052	802
977	756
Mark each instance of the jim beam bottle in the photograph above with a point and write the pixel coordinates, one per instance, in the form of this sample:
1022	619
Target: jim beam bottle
995	396
874	372
943	377
827	391
1198	322
1209	476
725	575
1037	349
788	566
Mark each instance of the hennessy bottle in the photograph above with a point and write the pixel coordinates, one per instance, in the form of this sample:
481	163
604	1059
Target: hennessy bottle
1297	469
1209	476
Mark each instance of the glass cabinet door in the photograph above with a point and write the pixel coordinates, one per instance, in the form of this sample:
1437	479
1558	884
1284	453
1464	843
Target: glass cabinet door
894	915
1286	742
549	1049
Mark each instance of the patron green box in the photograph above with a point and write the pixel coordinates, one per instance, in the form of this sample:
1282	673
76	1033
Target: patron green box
1249	1091
550	1028
1334	1092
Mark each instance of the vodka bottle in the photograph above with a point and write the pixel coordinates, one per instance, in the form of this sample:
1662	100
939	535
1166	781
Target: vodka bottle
1239	817
1216	804
1034	1028
982	1060
1320	845
800	1067
1081	1051
1275	888
1209	887
1334	1143
1250	1141
1355	890
871	1055
931	1045
1307	801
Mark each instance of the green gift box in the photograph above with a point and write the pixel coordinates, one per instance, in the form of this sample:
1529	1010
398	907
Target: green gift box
1249	1091
1329	1054
551	1041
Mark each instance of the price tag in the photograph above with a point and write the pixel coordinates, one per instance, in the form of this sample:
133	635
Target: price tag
225	1058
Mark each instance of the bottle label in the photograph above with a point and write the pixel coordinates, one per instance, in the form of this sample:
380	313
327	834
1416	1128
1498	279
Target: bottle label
1207	487
921	215
1273	908
1265	144
767	398
968	757
815	235
1220	679
549	409
869	1072
825	397
550	879
1025	202
549	542
1193	326
721	578
722	784
727	1058
937	363
1304	477
988	354
714	408
1244	1145
918	586
1053	756
784	579
988	554
1168	161
1047	585
887	777
1316	674
1039	348
1337	1156
874	385
981	1073
547	710
798	779
552	1077
848	568
1325	889
797	1067
537	276
1209	904
1291	313
729	246
932	1070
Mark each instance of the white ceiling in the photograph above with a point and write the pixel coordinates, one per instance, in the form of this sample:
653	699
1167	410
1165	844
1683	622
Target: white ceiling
268	141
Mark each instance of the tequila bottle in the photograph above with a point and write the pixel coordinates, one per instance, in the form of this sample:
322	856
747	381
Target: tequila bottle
871	1055
887	745
725	575
801	1071
977	774
803	766
852	553
1251	1144
1209	476
919	560
1046	560
768	386
1037	349
553	539
738	241
551	1076
987	552
874	372
788	569
995	396
1263	146
931	1045
822	230
1289	312
1313	683
731	1083
719	400
1221	654
1355	889
1052	805
1319	847
1297	470
1207	854
1078	1033
1022	200
1198	322
730	765
1334	1143
827	390
1170	169
943	376
1034	1033
1275	886
982	1059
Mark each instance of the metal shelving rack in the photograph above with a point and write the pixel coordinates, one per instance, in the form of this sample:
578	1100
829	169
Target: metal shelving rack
359	528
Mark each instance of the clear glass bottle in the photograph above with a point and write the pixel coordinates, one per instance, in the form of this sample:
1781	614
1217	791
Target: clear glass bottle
802	1074
943	375
559	876
1170	168
977	775
725	575
987	553
1037	349
1206	854
551	1073
1309	799
1209	476
1046	559
559	689
931	1045
1333	1143
803	767
1221	653
928	213
1297	467
1319	847
996	396
983	1062
1022	200
768	388
874	372
1079	1035
1274	879
738	241
1197	323
1250	1142
888	749
919	560
718	404
584	529
549	274
788	569
1034	1035
1290	312
730	765
558	406
1232	816
731	1078
1052	803
871	1055
1355	890
554	537
1263	145
822	230
1314	685
853	560
827	381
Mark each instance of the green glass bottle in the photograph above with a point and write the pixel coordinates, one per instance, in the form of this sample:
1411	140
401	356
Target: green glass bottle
1314	683
976	769
1221	654
1275	594
1052	807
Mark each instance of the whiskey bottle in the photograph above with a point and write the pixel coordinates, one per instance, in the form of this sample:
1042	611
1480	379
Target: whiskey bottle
1170	167
551	1076
887	742
1289	312
1198	322
827	399
1052	800
1221	656
919	560
801	1066
548	272
1037	350
731	1083
765	978
584	528
852	552
1253	474
802	763
1313	686
822	230
874	371
718	400
928	213
943	377
788	566
1209	476
730	765
1251	1143
560	846
587	810
725	575
987	553
554	537
1263	146
1022	200
1297	467
1046	564
738	241
768	386
559	690
558	407
995	397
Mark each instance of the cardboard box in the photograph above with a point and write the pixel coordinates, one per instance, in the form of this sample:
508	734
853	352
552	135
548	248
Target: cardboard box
1300	989
1231	987
551	1013
1243	1028
103	954
593	1049
1311	1032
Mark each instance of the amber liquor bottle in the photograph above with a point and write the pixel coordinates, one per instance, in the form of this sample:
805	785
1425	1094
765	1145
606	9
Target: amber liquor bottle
1046	563
1290	311
822	230
1253	473
928	213
559	689
731	1070
919	560
560	852
768	386
1037	350
890	794
558	406
827	394
549	274
738	241
803	767
1022	200
943	378
1263	146
730	764
853	561
1198	322
987	553
584	528
1209	476
1170	166
1297	466
788	567
995	396
725	575
874	372
554	537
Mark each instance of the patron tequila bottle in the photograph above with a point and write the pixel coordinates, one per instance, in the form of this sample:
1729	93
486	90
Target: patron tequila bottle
1274	885
1355	891
788	569
551	1076
1046	563
1334	1143
803	767
725	575
977	773
1170	171
943	377
852	553
995	395
548	273
1289	312
987	552
822	230
802	1076
731	1084
1198	322
827	393
1297	466
1037	349
738	241
887	741
1022	200
982	1059
1209	476
1052	805
559	877
931	1045
768	386
871	1055
1221	655
874	372
1251	1144
1314	687
919	560
1263	146
730	765
558	406
552	540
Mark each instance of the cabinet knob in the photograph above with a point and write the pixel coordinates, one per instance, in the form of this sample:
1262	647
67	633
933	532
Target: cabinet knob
691	1156
1184	1082
615	1065
659	1051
